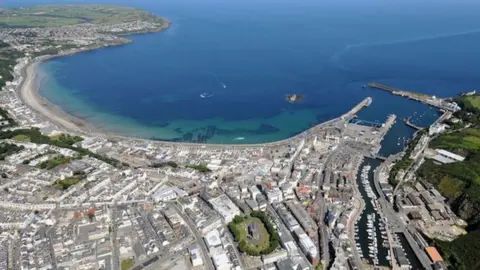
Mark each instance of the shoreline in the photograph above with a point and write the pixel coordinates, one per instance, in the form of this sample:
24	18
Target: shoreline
28	93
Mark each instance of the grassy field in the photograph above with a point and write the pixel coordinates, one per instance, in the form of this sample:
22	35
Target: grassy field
67	182
261	239
255	234
127	264
21	138
462	142
54	162
61	15
472	101
451	187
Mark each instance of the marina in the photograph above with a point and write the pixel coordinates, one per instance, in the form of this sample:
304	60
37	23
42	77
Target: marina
370	235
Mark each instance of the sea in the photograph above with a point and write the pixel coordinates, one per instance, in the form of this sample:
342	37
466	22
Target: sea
245	56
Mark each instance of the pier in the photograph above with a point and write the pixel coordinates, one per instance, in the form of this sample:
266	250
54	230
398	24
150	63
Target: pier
410	124
376	156
423	98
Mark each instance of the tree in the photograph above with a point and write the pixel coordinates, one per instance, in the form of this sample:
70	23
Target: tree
91	216
238	219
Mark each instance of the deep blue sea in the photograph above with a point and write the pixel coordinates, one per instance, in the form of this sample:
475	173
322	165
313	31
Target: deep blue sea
250	54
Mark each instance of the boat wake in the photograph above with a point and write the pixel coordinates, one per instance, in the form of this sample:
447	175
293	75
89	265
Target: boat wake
220	82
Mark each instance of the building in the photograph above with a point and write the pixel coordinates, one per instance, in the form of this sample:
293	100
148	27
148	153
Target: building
433	254
302	216
254	191
437	128
221	261
444	157
252	204
332	217
287	218
212	240
262	202
274	257
173	218
195	256
274	195
165	193
307	245
401	258
225	208
287	191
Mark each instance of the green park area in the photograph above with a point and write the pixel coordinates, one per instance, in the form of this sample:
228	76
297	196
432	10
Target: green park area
68	182
254	234
201	168
35	136
66	139
62	15
21	138
127	264
54	162
7	149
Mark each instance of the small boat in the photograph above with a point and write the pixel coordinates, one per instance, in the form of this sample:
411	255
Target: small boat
206	95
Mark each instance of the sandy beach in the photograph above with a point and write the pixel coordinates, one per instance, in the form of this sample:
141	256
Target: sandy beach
28	93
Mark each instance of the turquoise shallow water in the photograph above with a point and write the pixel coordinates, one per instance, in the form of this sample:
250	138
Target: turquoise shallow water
249	54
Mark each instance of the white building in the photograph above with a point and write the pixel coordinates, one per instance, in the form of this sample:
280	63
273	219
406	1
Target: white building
195	256
287	190
437	128
225	207
306	244
445	157
212	239
221	261
165	193
253	191
274	195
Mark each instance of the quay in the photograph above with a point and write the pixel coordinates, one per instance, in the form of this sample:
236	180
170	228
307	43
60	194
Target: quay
410	124
423	98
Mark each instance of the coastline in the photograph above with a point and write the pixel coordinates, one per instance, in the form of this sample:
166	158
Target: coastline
28	93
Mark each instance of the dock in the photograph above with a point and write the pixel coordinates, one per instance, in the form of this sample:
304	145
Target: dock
423	98
412	125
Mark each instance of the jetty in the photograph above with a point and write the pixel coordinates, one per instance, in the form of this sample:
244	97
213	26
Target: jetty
412	125
423	98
